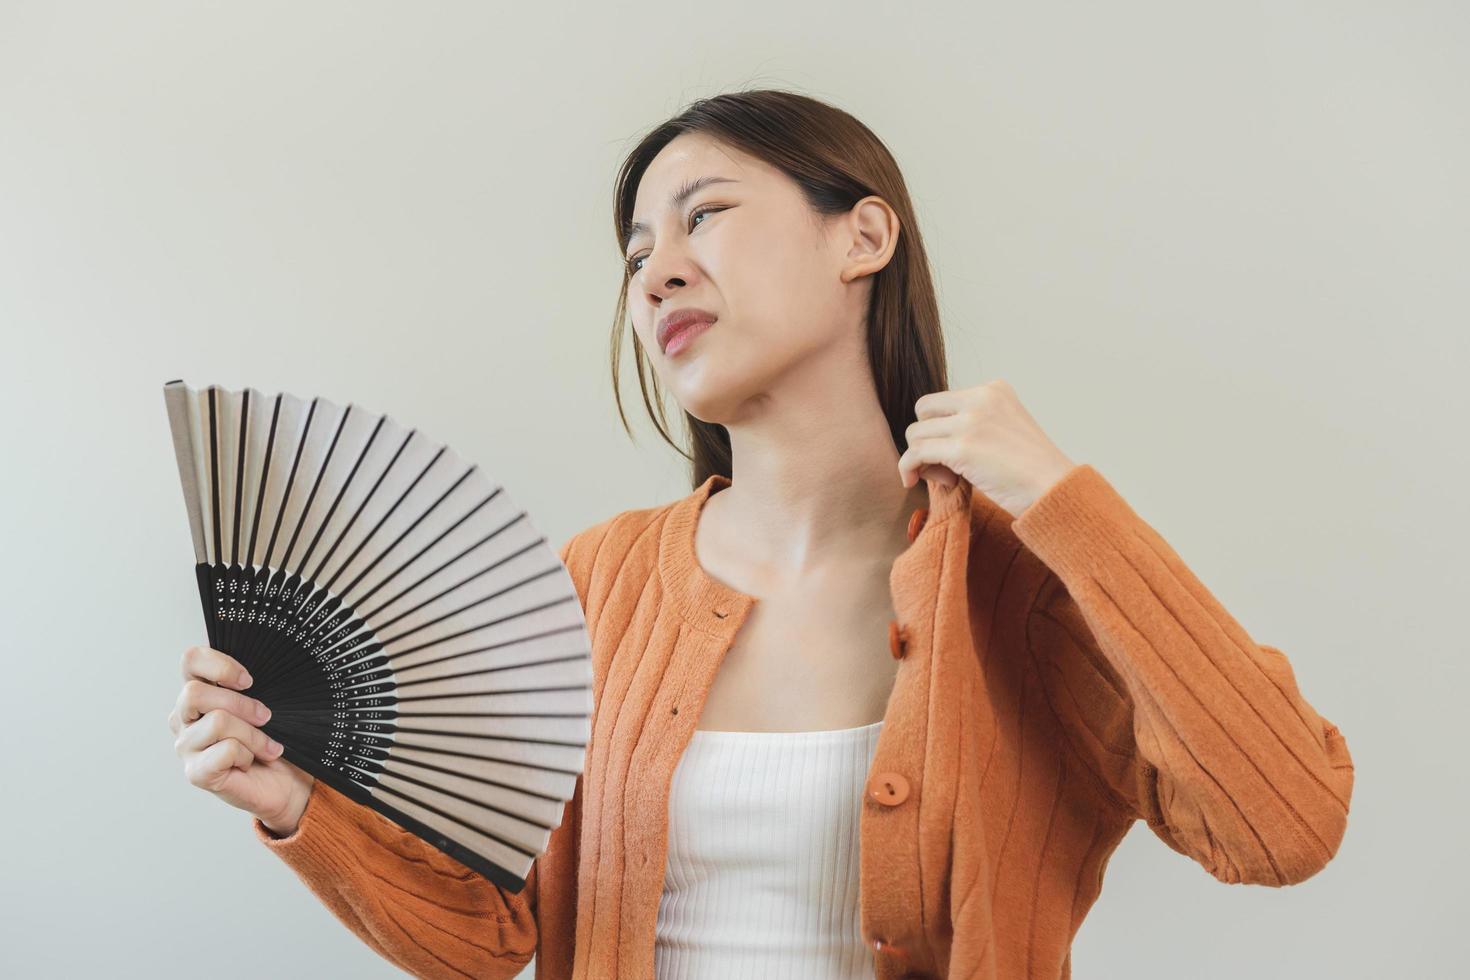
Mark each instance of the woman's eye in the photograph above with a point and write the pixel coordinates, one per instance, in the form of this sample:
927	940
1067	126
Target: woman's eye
633	266
706	209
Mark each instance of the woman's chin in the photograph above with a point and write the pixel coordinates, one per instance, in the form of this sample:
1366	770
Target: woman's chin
710	403
713	390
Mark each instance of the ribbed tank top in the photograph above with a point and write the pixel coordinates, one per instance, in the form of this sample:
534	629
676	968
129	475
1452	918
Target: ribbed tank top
762	874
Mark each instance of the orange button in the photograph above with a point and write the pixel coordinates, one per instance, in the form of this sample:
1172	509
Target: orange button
888	788
886	948
916	522
898	639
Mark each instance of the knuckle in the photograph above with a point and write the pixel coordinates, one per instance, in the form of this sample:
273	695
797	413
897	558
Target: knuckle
198	660
237	754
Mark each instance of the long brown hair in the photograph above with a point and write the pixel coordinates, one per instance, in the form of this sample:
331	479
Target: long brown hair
836	161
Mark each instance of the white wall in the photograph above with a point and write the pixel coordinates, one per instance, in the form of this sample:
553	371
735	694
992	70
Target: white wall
1219	249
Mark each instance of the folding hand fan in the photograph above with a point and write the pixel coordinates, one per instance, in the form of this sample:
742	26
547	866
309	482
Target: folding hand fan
421	647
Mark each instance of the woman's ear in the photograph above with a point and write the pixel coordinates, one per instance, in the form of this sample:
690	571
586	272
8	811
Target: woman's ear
871	230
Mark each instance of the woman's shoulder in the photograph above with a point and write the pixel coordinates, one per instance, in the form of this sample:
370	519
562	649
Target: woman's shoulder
615	541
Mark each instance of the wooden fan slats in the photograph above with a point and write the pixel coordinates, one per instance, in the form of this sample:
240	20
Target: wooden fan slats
494	848
249	497
547	633
280	505
517	818
520	596
200	460
554	758
183	423
227	422
504	678
364	471
575	701
561	643
429	531
554	731
462	775
305	456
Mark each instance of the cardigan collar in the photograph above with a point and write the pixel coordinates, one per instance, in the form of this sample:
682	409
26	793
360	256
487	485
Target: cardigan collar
711	606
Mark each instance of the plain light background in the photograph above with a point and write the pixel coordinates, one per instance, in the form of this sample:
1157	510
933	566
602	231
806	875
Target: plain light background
1219	249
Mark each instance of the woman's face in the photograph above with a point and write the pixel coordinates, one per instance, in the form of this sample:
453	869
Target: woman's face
783	282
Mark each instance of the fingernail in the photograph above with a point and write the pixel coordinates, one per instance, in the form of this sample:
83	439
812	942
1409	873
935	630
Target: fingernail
262	712
245	679
273	745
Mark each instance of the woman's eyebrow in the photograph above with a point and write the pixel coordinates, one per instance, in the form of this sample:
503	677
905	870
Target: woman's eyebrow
676	201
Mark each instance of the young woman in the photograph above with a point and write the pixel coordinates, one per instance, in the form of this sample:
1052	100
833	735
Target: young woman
883	693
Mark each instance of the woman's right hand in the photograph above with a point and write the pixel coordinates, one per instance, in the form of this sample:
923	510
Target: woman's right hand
223	750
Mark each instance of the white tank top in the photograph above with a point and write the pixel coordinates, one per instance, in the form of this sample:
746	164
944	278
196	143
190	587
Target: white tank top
762	875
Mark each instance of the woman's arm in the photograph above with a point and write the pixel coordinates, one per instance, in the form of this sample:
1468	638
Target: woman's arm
414	905
1183	720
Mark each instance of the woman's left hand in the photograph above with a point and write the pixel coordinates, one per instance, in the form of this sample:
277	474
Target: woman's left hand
986	435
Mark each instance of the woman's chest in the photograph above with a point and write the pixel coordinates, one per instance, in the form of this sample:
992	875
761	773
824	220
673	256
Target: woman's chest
807	661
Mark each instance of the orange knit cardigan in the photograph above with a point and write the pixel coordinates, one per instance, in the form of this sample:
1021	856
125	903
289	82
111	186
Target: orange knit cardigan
1061	675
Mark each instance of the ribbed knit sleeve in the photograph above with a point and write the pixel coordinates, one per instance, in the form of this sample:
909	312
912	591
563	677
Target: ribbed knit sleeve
1178	715
410	902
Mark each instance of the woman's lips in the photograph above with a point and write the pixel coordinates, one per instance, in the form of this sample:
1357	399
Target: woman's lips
684	336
